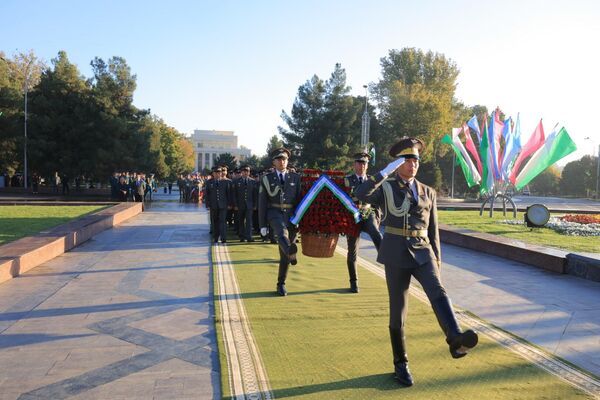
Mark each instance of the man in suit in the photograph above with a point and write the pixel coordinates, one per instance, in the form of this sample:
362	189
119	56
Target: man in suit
411	247
278	195
369	217
218	201
245	199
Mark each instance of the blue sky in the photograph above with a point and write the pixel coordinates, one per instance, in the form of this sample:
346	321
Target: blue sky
235	65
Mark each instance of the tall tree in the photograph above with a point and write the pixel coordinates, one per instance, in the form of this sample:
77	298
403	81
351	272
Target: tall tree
227	159
416	98
17	75
578	177
324	126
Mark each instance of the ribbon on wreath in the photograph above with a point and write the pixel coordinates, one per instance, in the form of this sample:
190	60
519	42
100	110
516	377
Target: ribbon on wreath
309	198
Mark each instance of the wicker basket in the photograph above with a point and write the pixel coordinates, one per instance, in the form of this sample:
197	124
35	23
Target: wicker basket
319	245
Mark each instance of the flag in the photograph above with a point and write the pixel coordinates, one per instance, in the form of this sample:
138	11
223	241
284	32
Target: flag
372	154
557	146
511	149
471	175
535	141
470	145
487	184
472	123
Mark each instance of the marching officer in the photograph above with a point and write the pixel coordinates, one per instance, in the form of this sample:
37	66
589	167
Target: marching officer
278	195
370	217
411	247
218	201
245	198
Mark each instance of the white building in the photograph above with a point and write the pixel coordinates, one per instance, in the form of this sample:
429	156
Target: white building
208	145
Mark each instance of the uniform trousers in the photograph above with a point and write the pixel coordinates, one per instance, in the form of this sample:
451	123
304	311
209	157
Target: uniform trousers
218	223
245	223
370	226
286	235
398	281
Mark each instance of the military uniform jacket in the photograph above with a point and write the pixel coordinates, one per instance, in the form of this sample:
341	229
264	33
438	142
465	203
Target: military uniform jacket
245	193
421	215
275	201
219	193
351	181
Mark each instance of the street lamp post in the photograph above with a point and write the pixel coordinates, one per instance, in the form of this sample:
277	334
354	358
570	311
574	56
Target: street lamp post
366	122
597	164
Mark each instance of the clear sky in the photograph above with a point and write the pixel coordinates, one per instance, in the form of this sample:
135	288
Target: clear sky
235	65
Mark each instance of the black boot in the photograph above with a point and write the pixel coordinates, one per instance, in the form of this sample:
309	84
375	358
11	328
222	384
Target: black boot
281	289
354	287
459	342
401	371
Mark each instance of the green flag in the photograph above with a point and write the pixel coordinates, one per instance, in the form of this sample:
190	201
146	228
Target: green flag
487	181
556	146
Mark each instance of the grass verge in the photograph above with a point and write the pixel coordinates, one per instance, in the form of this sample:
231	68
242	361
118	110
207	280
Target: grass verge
322	342
540	236
19	221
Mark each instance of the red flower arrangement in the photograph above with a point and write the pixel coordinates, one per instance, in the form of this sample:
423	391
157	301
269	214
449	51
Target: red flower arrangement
582	218
326	215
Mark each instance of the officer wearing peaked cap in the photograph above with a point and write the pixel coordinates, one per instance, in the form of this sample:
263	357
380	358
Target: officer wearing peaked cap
218	201
278	195
411	247
370	217
245	196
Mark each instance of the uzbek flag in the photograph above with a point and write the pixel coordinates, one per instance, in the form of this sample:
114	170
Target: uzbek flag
511	149
470	145
472	123
556	146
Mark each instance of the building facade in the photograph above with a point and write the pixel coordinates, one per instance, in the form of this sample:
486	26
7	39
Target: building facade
208	145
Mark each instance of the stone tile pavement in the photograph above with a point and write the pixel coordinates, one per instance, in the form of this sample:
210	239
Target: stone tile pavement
127	315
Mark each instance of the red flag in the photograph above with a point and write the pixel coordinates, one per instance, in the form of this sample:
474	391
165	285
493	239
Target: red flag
498	127
471	147
536	140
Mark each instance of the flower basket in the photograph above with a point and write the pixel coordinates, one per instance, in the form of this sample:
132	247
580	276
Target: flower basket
319	245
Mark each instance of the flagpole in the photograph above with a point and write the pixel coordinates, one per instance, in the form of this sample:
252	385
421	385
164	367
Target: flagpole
453	167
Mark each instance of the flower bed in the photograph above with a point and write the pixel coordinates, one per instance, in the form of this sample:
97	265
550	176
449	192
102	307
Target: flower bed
326	215
567	225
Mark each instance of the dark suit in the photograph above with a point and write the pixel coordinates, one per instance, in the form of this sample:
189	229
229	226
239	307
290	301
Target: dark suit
369	223
245	195
276	205
218	200
410	247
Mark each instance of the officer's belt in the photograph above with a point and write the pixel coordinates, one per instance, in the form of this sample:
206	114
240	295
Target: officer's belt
422	233
281	206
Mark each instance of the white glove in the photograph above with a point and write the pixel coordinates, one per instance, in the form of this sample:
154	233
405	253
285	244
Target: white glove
391	167
264	231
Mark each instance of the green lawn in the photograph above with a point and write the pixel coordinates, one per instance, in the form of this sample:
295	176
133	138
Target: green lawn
322	342
540	236
19	221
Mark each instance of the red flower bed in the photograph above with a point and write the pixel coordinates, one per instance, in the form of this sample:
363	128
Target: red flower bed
326	214
582	218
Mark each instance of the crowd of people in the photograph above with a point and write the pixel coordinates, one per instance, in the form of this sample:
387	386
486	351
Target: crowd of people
135	186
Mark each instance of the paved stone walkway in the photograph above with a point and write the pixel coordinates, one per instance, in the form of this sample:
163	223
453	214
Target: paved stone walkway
127	315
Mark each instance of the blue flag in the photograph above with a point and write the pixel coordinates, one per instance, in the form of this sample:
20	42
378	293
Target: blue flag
472	123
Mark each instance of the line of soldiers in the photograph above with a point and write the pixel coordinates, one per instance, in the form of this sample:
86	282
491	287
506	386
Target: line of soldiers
191	188
410	245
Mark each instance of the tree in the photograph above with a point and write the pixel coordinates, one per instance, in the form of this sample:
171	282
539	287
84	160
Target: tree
546	183
17	75
416	98
274	143
227	159
323	129
578	177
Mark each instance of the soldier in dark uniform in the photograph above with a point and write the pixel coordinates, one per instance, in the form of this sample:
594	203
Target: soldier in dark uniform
246	201
278	195
411	247
218	201
370	217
